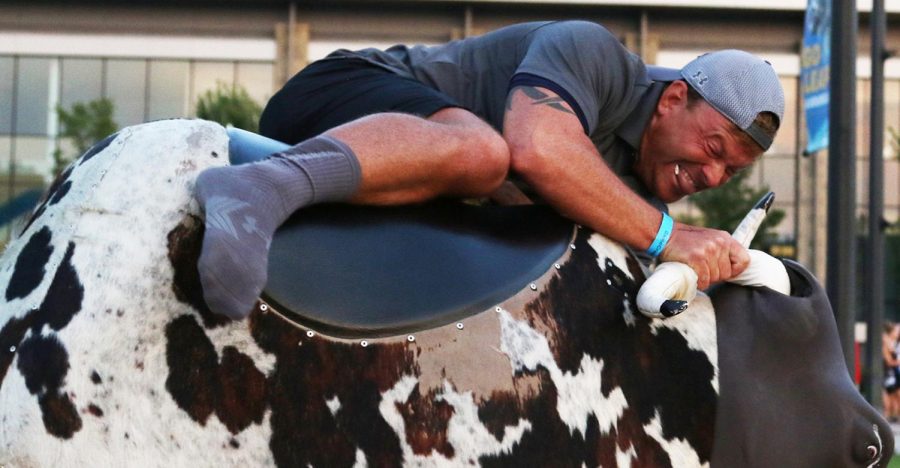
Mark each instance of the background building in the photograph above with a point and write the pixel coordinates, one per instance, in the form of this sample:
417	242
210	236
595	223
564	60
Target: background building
153	58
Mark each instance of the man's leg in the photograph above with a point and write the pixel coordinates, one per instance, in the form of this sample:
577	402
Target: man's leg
381	159
407	159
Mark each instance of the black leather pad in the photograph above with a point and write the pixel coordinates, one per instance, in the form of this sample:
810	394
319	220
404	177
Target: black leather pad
367	272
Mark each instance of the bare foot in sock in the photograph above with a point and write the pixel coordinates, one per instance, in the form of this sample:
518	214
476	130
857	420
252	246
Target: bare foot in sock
240	222
245	204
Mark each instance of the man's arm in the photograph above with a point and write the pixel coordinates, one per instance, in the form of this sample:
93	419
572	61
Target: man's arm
550	150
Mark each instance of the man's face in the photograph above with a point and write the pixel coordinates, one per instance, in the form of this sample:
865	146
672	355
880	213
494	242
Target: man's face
687	149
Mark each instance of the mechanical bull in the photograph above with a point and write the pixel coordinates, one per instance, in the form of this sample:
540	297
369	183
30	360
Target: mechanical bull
109	357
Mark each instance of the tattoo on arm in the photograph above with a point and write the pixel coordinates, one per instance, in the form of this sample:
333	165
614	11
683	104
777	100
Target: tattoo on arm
538	97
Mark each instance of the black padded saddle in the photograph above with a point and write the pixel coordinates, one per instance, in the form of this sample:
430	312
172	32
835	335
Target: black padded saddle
354	271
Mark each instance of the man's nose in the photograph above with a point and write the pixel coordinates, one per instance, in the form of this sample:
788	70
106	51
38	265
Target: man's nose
714	174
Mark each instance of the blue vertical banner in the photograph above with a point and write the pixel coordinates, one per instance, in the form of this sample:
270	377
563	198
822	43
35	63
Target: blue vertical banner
815	69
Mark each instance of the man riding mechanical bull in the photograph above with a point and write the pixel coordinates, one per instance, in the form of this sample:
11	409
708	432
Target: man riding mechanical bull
604	139
447	334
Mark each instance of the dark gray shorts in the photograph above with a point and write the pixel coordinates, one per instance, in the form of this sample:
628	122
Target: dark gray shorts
335	91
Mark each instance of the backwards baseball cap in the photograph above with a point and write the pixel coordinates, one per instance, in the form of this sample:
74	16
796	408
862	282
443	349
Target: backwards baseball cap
738	84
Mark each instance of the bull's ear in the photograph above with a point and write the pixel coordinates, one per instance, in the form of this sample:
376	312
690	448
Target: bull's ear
770	315
803	283
800	316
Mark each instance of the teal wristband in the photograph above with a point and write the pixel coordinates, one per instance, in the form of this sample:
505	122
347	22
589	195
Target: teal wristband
662	236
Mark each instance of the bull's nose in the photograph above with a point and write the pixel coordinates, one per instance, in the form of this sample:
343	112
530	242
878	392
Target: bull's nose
874	445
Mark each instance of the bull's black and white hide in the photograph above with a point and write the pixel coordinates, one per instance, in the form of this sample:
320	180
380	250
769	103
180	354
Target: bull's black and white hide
108	356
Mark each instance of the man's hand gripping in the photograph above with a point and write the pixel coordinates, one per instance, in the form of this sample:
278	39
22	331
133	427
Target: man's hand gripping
704	256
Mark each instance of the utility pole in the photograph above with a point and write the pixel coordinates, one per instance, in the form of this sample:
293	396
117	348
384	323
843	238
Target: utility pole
875	242
841	281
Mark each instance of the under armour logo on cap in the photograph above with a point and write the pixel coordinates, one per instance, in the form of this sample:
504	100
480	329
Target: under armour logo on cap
700	78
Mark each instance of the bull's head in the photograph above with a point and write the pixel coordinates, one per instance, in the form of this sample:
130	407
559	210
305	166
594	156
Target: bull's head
786	396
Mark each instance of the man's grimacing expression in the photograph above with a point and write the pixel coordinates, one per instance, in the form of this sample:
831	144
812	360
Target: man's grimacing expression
687	148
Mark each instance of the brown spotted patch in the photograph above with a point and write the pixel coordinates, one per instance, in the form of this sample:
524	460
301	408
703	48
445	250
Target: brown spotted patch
242	396
500	411
309	374
95	410
59	415
656	370
426	420
184	244
202	385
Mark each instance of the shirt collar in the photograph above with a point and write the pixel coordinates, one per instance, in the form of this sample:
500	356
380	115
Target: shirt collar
632	128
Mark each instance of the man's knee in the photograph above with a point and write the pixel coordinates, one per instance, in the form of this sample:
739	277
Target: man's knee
480	157
483	161
496	152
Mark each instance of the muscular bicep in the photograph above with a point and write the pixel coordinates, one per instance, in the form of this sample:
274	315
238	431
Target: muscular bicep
537	116
550	150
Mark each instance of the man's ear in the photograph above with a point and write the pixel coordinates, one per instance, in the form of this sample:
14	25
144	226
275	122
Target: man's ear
675	96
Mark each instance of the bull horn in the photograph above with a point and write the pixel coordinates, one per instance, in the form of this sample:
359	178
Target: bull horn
765	202
750	224
668	291
671	307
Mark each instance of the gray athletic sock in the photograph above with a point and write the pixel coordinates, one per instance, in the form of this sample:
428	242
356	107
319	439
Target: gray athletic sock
244	205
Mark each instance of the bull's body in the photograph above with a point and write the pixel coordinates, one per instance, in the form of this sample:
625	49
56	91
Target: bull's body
108	356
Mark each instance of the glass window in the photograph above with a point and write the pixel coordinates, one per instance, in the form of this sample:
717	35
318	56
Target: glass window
778	174
891	117
862	181
126	86
5	192
257	79
5	152
786	138
168	89
785	228
754	178
22	183
863	89
36	93
6	96
891	183
206	75
33	156
81	81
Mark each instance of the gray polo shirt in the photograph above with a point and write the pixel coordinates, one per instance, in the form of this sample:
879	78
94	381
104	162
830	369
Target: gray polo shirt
582	62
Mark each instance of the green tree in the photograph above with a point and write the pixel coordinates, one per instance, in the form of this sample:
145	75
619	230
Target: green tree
83	125
229	105
724	207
